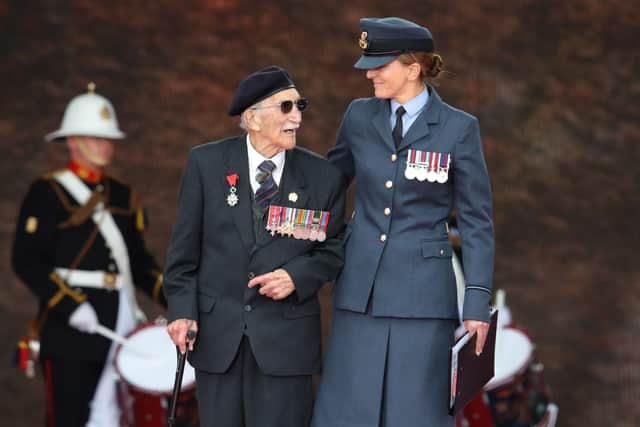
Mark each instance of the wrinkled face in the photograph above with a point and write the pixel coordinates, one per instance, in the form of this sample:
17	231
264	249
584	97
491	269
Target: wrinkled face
91	151
393	80
275	131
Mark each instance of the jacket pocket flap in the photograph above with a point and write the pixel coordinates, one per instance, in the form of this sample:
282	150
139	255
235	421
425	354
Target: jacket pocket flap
205	302
436	249
309	308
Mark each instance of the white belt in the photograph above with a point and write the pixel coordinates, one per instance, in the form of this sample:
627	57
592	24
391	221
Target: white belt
91	278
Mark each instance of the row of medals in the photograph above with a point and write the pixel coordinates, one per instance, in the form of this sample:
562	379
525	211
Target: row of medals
427	165
298	223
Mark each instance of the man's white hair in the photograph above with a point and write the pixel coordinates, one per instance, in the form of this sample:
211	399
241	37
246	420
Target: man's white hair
243	123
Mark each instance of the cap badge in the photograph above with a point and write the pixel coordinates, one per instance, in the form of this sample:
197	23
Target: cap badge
105	113
363	40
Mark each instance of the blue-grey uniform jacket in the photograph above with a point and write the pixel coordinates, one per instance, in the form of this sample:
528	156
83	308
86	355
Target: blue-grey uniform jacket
397	252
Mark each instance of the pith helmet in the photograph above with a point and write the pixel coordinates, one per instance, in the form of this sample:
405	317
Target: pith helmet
88	114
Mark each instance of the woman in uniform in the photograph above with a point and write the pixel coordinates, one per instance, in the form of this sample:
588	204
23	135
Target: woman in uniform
413	159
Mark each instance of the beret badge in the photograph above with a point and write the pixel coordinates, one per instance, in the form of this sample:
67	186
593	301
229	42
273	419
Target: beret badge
363	40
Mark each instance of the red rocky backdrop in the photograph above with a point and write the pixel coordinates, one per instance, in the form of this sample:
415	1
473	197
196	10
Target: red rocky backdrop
553	84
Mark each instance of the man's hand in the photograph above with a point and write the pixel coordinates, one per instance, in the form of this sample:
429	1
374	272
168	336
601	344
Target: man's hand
276	285
178	332
480	328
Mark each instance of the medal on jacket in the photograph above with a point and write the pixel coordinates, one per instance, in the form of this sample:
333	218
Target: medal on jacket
232	197
302	224
324	223
432	172
443	168
427	166
423	164
411	169
273	221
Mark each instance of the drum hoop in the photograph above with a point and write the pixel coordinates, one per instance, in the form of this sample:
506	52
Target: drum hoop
155	393
509	379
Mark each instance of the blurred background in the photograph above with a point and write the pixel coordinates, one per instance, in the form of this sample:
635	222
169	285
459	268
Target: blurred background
553	84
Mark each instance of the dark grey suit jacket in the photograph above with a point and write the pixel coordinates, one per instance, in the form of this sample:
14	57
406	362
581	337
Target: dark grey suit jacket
213	254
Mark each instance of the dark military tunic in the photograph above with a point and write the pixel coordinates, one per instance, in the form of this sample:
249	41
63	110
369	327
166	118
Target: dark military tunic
53	231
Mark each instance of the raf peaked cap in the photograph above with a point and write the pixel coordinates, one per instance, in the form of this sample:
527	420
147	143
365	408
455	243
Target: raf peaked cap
258	86
383	39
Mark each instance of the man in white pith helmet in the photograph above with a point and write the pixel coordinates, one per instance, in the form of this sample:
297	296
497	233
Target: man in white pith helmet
79	248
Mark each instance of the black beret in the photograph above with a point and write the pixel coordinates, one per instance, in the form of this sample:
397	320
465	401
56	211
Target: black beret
383	39
258	86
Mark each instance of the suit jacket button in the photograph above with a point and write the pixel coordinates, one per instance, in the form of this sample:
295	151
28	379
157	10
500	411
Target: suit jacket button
248	308
251	275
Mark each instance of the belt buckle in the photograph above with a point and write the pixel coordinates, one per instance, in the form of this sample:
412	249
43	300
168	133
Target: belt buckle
109	281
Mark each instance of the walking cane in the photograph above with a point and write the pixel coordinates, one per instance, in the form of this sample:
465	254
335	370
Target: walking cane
182	358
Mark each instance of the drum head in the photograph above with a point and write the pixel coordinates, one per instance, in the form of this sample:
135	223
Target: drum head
153	369
513	354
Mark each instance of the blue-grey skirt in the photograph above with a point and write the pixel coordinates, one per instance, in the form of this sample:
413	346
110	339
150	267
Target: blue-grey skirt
385	372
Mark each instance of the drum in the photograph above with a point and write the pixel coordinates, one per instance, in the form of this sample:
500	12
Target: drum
147	369
516	396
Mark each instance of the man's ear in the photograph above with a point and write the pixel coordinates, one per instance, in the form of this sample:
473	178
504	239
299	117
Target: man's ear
252	119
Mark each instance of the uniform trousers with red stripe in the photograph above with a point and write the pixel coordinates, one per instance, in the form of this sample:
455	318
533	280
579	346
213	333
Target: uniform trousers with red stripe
70	386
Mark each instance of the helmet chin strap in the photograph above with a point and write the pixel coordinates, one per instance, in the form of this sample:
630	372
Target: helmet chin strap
96	160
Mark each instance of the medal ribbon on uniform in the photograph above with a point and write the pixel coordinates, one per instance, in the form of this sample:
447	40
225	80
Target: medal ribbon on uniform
232	197
302	224
427	165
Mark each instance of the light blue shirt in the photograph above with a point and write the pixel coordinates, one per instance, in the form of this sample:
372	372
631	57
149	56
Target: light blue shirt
413	109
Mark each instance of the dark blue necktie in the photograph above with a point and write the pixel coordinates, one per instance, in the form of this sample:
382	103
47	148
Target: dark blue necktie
397	130
268	187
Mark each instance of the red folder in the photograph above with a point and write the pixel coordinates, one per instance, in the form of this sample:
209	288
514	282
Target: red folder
469	373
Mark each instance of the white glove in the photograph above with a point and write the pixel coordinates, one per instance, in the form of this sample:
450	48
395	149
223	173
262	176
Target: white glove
84	318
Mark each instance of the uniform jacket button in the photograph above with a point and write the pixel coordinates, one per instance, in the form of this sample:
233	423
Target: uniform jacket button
383	237
248	308
389	184
387	211
394	157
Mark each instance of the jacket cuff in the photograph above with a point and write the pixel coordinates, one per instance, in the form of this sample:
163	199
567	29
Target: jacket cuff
476	303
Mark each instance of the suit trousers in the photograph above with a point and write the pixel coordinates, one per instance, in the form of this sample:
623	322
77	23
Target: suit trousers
245	397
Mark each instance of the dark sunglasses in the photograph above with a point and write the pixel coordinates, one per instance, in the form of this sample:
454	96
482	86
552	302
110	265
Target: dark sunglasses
287	106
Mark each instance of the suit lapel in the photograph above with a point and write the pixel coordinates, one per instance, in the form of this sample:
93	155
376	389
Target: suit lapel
292	192
429	116
236	162
381	122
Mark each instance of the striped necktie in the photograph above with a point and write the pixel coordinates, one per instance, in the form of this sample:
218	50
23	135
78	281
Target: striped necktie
268	187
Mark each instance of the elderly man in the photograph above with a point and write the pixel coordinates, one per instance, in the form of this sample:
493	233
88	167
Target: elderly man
79	247
258	232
